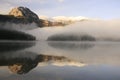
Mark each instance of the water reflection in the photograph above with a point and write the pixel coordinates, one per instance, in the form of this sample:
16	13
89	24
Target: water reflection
6	46
71	45
90	53
23	61
11	54
22	65
60	61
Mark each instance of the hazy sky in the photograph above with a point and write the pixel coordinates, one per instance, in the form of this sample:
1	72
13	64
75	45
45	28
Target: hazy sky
103	9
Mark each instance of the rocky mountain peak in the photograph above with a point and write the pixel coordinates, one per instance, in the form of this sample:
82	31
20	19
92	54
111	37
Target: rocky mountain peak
22	12
16	12
26	13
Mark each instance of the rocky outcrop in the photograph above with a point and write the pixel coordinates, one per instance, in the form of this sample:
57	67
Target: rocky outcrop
26	13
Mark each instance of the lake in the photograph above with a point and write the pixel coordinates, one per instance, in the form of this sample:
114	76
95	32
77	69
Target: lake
55	60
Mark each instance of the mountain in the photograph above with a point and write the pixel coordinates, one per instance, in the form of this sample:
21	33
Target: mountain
18	19
23	15
20	15
28	15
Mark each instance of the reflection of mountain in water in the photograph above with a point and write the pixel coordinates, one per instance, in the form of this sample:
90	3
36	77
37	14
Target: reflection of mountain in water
22	64
12	52
92	53
70	45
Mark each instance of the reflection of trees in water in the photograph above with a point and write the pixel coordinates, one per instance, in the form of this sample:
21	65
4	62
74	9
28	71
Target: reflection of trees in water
22	61
14	46
71	45
22	65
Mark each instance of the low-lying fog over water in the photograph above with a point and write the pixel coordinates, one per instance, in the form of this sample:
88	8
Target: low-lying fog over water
99	29
59	60
19	27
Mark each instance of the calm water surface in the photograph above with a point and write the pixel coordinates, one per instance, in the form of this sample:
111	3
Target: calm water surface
42	60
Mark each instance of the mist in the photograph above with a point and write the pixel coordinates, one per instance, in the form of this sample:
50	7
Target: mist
18	27
100	29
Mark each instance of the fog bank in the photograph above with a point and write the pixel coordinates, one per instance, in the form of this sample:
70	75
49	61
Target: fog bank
100	29
17	26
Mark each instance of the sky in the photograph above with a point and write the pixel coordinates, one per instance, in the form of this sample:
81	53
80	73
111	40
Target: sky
103	9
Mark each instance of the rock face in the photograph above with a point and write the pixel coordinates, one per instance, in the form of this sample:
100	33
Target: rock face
26	14
16	12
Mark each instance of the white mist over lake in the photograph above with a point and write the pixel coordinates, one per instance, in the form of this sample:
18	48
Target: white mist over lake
101	30
18	27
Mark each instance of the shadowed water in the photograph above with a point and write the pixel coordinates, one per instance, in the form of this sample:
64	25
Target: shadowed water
55	60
